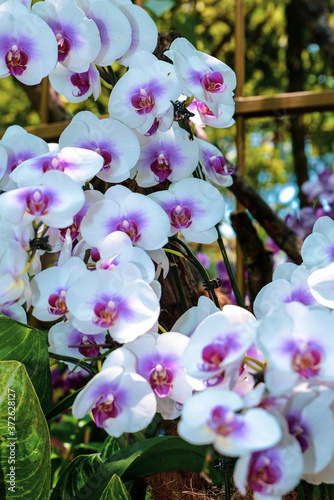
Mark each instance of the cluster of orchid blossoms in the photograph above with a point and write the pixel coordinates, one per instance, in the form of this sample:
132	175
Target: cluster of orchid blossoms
258	388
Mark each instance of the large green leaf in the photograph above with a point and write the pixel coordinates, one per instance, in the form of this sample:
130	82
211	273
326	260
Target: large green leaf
28	346
115	490
110	447
166	453
28	457
75	476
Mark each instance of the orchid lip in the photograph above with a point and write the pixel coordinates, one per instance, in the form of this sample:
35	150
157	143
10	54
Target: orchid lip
105	408
88	348
16	60
224	421
306	360
180	216
161	167
143	101
130	227
64	46
57	303
161	380
264	470
213	82
106	315
82	82
37	202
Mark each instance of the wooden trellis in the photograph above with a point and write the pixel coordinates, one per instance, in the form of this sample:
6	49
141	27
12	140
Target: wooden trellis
277	105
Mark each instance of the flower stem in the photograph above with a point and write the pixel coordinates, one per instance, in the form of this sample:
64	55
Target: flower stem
82	364
199	266
32	255
176	276
236	291
179	254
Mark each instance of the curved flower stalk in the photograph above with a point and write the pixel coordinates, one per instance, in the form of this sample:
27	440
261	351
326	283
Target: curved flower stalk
258	389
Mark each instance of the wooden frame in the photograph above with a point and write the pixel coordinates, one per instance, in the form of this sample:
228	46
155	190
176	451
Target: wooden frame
256	106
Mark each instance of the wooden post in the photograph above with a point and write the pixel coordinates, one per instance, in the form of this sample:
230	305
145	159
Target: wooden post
239	63
44	104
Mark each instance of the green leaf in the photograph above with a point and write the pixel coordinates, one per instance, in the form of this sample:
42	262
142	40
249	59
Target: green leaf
28	457
161	454
110	447
63	405
75	476
173	454
30	347
159	7
115	490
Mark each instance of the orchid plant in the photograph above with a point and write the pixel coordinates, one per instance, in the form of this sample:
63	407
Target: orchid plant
87	257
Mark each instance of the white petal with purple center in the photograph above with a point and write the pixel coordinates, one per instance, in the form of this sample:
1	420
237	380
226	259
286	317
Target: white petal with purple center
76	87
79	164
78	38
121	402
